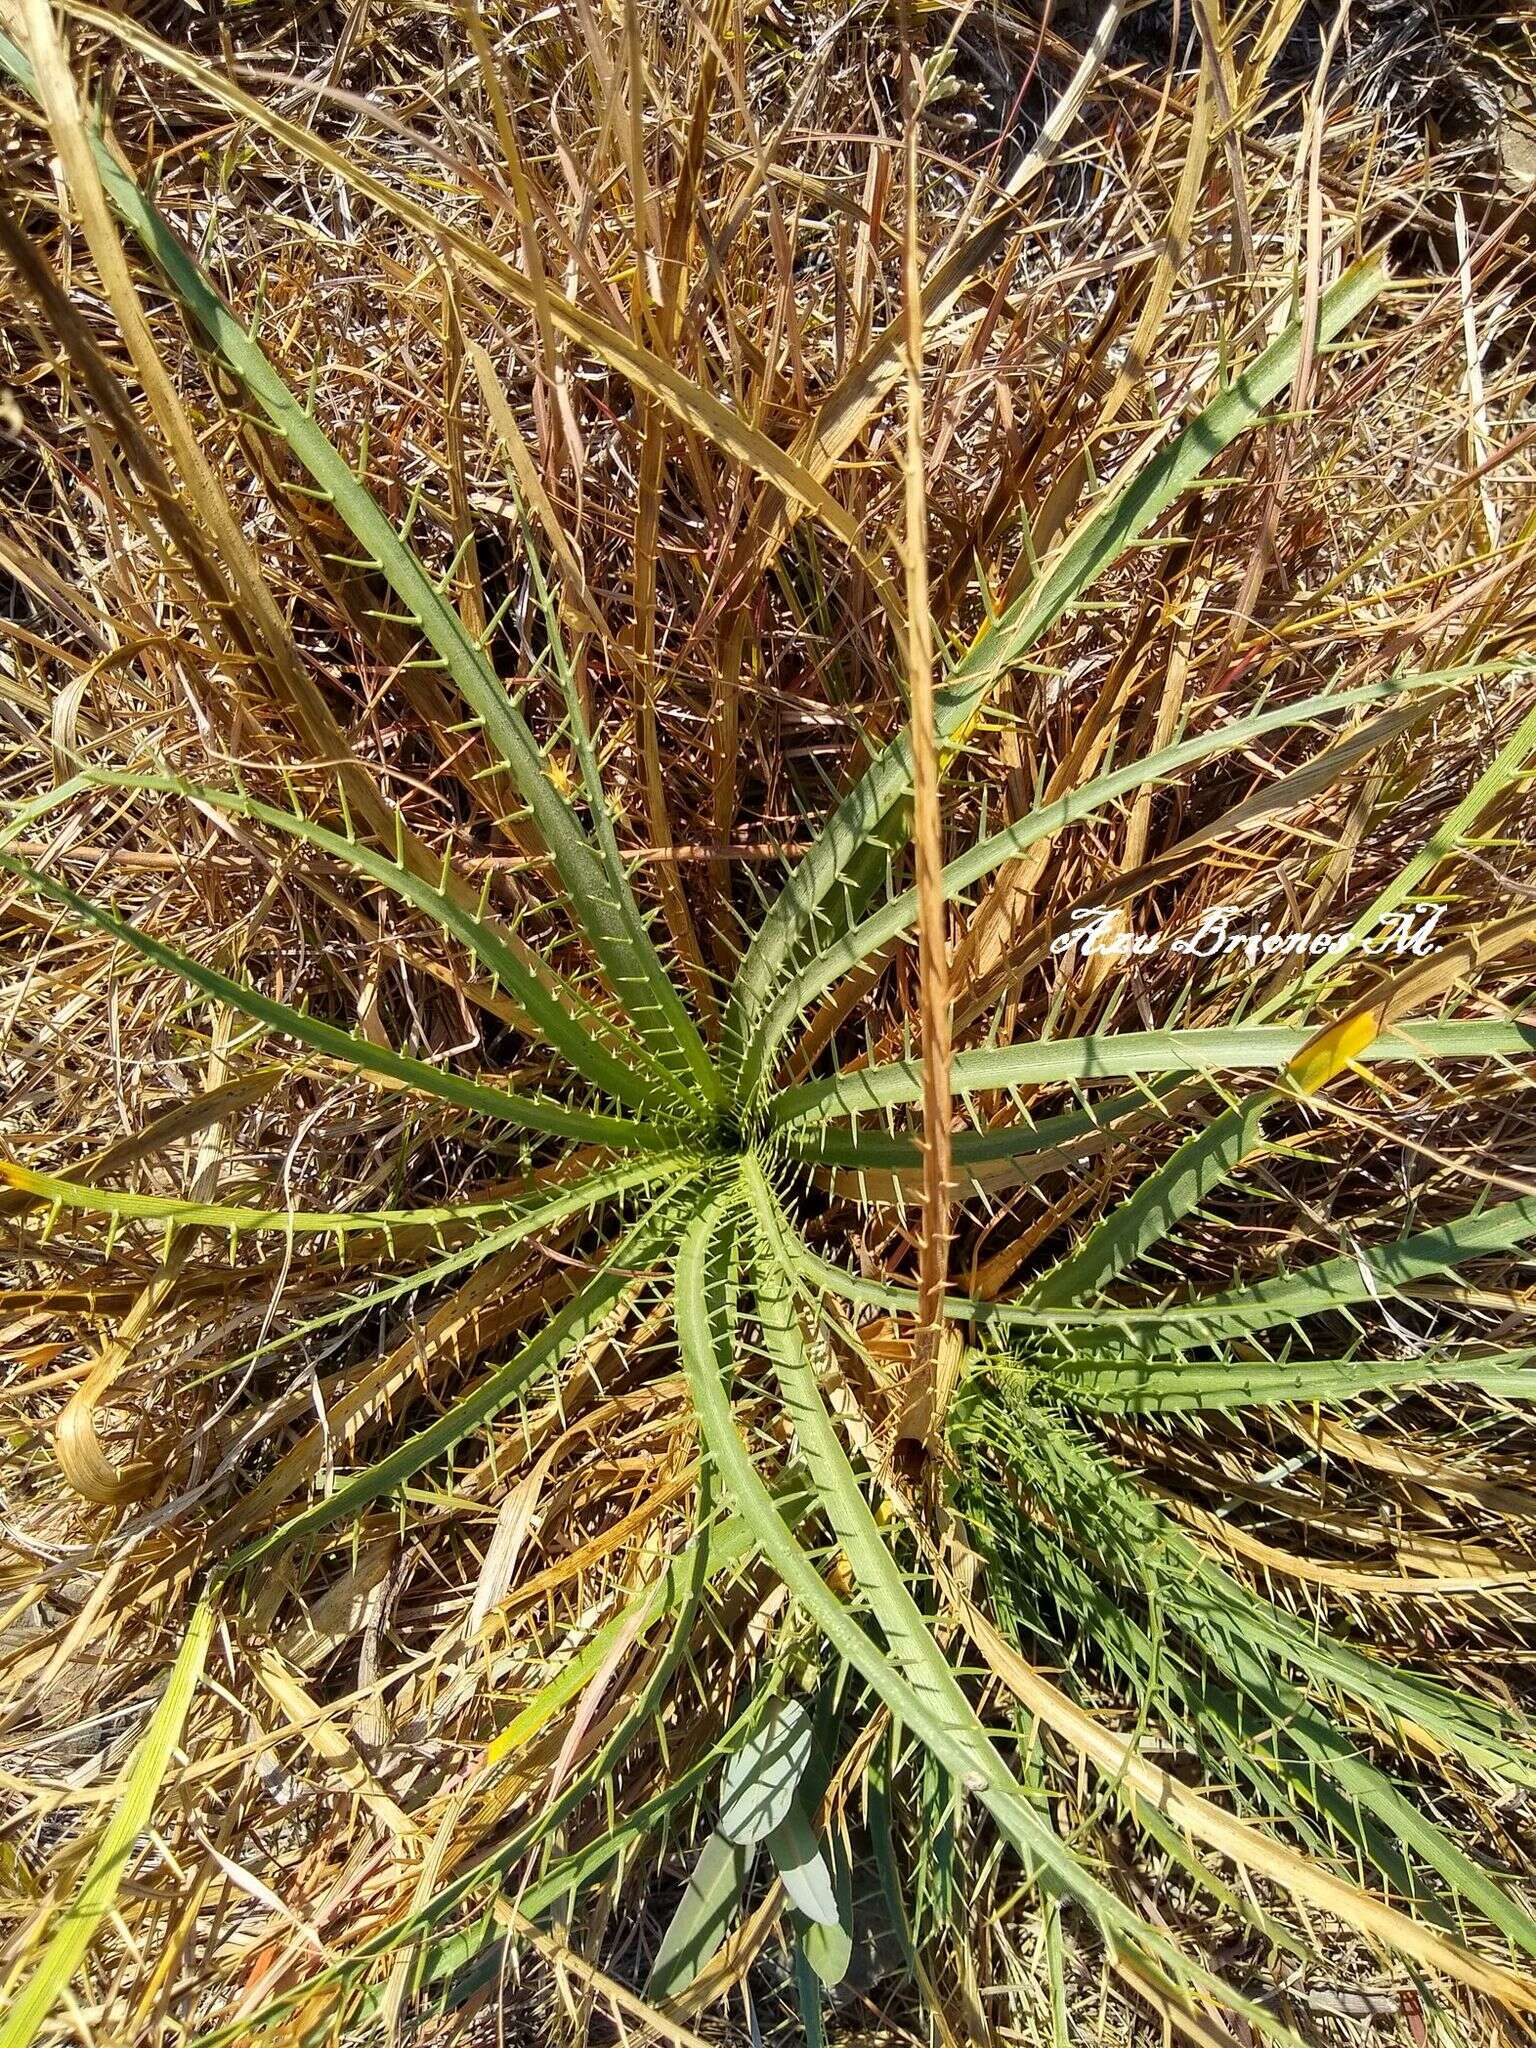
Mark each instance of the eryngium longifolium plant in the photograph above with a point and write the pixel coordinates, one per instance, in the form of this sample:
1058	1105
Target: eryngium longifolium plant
1023	1562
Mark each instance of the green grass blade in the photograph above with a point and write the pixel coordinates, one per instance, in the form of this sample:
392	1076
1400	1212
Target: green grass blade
531	1112
813	2031
50	1981
1126	513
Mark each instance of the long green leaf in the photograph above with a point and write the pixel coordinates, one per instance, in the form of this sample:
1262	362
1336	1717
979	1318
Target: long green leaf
1126	512
50	1981
1372	1273
532	1112
1173	1386
1500	775
915	1682
507	1221
1369	1274
415	1281
896	918
811	1143
1157	1205
711	1901
576	718
1121	1055
622	1267
1130	1325
556	1014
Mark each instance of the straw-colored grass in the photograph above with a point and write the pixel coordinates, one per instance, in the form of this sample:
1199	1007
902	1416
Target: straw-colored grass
645	1400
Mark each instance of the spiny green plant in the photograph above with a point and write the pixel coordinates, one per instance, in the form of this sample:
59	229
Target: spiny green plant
687	1157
